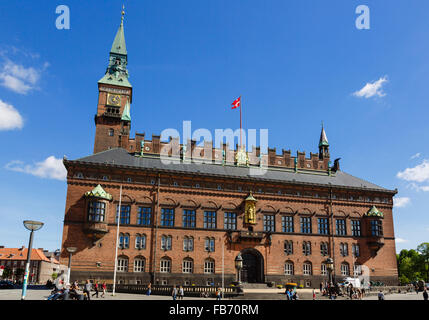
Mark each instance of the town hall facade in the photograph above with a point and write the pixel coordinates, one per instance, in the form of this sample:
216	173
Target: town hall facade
187	221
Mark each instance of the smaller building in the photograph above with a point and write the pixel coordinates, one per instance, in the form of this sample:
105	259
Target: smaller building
42	264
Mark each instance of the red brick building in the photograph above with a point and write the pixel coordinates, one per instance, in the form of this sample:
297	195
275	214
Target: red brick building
186	221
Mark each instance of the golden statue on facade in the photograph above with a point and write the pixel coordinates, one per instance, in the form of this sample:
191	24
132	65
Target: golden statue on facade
250	210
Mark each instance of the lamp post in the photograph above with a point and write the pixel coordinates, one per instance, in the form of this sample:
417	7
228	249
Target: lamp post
239	266
70	250
32	226
329	266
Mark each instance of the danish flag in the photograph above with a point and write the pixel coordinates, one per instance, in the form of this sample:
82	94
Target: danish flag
236	103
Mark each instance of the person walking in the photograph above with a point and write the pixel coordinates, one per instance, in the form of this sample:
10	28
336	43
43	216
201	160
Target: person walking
103	287
425	294
174	293
96	290
314	295
218	294
181	293
149	289
87	289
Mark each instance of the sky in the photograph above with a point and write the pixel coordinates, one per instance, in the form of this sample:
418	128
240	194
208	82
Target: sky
295	63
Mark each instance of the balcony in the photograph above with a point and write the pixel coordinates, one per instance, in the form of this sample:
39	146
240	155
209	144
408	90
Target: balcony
95	229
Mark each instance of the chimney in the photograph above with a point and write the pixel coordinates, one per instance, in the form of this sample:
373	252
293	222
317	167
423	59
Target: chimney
336	166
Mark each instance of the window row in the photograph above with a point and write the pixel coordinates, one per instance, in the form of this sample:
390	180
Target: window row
307	269
165	265
324	248
188	243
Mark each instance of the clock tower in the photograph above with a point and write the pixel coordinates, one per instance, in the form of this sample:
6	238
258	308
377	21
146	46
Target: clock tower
113	120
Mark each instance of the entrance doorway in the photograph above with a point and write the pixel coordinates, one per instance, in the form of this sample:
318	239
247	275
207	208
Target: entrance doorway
253	266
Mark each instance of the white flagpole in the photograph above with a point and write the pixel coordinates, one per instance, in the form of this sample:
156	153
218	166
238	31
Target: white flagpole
223	267
117	241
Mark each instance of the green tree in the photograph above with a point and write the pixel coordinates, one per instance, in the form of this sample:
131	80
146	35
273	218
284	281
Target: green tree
423	249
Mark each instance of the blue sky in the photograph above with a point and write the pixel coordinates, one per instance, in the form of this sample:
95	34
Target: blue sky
296	63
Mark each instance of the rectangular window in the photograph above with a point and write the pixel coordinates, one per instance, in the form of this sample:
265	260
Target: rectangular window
188	218
356	230
341	227
144	215
344	249
306	248
96	211
287	224
125	214
323	226
324	251
230	221
323	270
376	228
269	223
305	225
167	217
188	244
209	219
166	243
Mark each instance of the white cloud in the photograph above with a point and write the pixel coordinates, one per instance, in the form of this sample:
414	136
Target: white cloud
9	117
419	173
417	155
400	240
424	188
51	168
400	202
372	89
19	78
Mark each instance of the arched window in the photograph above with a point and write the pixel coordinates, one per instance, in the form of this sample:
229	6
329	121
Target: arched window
209	266
288	247
323	269
122	264
357	270
166	243
306	248
165	265
209	244
140	241
307	268
124	240
139	264
324	251
188	265
188	243
345	269
288	268
344	249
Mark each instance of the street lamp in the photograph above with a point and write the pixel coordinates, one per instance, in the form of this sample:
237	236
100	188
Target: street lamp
239	266
329	266
70	250
32	226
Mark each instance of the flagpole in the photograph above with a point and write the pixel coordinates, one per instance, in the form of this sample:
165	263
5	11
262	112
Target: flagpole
223	266
117	240
241	107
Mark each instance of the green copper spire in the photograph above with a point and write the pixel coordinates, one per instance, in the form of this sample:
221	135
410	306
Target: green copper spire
126	114
118	45
117	73
323	139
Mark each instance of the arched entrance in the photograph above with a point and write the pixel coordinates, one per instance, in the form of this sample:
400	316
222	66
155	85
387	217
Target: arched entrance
253	266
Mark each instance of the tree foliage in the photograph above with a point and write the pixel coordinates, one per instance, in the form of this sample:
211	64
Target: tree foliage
413	264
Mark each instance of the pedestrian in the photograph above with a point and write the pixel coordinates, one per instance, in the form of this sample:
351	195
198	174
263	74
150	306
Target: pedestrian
181	293
149	289
87	289
417	289
174	293
314	295
381	295
103	287
321	287
96	290
218	294
425	294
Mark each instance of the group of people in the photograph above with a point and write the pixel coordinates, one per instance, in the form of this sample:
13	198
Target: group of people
67	291
355	293
179	293
291	294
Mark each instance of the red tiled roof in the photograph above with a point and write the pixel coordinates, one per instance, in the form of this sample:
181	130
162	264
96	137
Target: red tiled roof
21	254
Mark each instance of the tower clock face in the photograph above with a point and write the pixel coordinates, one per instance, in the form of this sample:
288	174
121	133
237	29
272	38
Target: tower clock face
114	99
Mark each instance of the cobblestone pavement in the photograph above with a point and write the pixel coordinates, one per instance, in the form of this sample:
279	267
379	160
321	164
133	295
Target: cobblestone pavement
15	294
